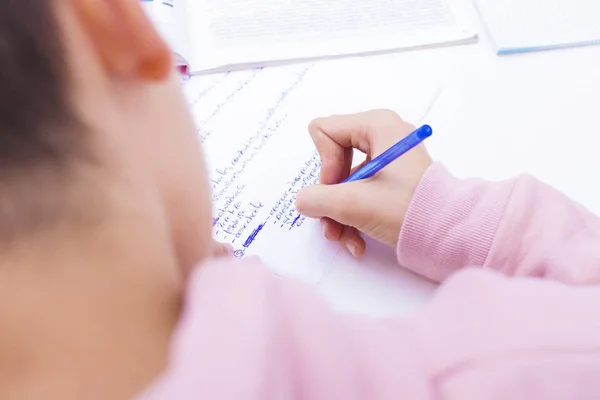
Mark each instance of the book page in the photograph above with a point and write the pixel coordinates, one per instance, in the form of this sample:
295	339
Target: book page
234	32
169	18
529	25
253	127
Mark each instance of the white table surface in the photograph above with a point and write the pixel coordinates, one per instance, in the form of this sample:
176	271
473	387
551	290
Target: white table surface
497	117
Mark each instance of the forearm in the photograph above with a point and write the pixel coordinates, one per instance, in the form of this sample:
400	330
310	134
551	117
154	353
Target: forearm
520	227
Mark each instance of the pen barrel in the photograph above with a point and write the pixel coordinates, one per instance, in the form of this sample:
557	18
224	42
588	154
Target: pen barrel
391	154
404	145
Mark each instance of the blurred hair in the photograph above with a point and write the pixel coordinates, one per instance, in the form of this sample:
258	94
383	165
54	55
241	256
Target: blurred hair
37	123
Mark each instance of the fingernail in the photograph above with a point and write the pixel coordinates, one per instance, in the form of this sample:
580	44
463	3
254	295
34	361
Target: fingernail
229	248
324	228
351	248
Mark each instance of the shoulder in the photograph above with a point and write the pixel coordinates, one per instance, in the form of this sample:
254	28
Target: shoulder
221	335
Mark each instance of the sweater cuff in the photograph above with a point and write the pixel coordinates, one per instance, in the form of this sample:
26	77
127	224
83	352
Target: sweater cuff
450	223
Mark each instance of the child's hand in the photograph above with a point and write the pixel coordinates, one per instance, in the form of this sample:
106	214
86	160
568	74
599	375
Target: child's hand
375	206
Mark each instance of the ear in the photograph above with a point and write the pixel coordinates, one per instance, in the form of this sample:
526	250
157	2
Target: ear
125	39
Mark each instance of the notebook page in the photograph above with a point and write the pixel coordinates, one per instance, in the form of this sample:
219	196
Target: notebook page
169	18
253	126
246	32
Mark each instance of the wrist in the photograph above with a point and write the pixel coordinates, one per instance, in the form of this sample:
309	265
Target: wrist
450	223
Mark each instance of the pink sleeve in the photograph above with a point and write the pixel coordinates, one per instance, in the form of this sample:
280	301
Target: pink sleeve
519	227
247	334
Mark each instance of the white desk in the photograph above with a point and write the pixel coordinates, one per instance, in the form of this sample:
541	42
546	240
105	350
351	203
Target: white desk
496	117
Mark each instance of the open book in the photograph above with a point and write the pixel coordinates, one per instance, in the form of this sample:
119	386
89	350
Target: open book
219	35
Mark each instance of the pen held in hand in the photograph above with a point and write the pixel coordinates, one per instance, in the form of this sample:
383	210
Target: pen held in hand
391	154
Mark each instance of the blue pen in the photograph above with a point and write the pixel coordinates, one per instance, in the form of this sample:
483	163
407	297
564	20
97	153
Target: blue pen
391	154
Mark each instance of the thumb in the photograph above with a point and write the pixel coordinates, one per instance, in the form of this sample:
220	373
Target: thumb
345	203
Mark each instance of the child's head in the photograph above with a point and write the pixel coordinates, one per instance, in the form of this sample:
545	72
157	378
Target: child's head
104	200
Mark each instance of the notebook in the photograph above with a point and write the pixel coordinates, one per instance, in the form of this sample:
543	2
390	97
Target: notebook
253	125
517	26
219	35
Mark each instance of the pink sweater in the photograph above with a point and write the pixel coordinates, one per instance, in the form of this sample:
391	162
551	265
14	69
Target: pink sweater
517	316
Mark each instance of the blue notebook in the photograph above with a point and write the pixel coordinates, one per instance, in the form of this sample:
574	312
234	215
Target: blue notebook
518	26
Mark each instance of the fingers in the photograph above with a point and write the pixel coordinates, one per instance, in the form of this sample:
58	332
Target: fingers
332	230
348	204
359	166
335	136
354	130
221	249
353	242
347	236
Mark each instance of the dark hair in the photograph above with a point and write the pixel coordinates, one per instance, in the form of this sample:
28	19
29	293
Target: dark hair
35	113
33	93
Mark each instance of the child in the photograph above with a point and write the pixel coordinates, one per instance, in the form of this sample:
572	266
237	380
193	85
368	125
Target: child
110	289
